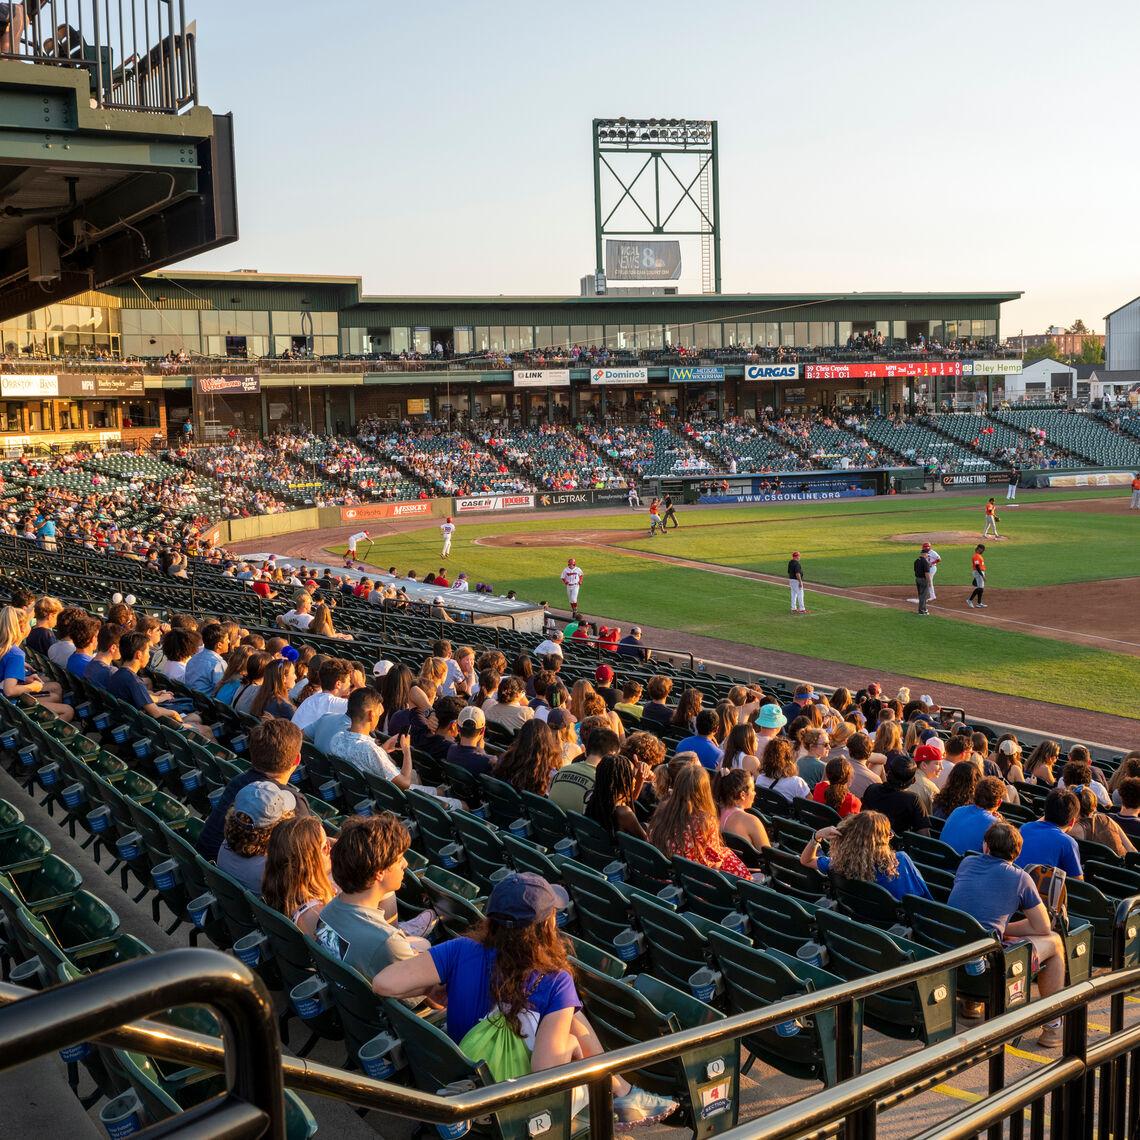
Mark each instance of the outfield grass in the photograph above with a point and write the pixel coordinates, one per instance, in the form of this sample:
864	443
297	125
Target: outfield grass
839	545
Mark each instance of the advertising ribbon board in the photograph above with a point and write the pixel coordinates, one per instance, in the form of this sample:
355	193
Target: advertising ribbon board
542	378
705	374
883	370
476	504
365	512
619	376
771	372
36	386
991	368
228	385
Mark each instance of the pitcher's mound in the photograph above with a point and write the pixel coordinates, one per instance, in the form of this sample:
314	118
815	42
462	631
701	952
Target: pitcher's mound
938	537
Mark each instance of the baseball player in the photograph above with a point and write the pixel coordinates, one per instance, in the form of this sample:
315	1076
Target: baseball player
447	529
979	567
655	522
1134	502
634	497
796	583
353	539
933	557
572	580
1012	484
991	520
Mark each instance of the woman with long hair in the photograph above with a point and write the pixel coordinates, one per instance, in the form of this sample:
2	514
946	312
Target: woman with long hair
726	715
888	739
255	666
15	680
1127	769
301	667
580	690
861	850
740	749
617	785
322	624
297	880
232	678
1007	755
433	673
841	700
395	686
1042	762
687	824
734	792
778	770
1094	825
834	789
515	962
272	699
685	714
531	759
958	790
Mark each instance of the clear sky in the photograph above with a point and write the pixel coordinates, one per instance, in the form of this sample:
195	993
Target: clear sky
444	147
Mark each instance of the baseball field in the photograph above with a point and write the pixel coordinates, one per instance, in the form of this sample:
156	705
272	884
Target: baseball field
1063	617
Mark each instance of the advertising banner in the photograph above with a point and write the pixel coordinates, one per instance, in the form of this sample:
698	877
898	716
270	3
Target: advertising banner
707	374
964	480
477	504
1091	479
228	385
771	372
883	370
789	496
366	512
991	368
118	385
32	387
619	376
562	500
542	378
643	260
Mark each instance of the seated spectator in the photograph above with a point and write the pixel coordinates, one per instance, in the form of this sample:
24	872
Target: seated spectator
42	635
509	710
85	634
300	617
861	850
15	680
617	786
1008	759
255	666
734	792
1128	818
604	685
929	760
355	745
178	646
1127	769
966	826
274	752
322	624
368	867
1047	842
515	961
778	770
102	665
335	679
628	704
134	656
204	671
572	786
658	710
531	759
1042	763
686	823
64	647
468	751
834	789
562	724
630	646
992	889
958	790
296	880
894	799
685	714
550	646
811	755
257	809
1076	774
866	771
1098	827
272	698
438	743
703	741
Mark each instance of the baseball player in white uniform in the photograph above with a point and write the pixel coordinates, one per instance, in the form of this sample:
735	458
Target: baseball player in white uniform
933	557
572	580
353	539
447	529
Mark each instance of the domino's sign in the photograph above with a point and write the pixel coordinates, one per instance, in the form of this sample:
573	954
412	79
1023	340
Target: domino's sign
771	372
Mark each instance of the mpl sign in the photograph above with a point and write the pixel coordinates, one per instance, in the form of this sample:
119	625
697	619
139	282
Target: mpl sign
477	504
771	372
619	376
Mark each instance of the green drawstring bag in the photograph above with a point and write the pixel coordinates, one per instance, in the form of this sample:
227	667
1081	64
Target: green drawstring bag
493	1040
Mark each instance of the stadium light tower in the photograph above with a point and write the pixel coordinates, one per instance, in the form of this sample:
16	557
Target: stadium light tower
656	178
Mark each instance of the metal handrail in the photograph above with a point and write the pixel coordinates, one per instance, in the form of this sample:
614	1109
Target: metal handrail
82	1010
309	1076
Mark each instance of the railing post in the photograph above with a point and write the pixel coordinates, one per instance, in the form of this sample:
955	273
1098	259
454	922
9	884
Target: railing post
845	1067
1071	1105
996	1002
601	1108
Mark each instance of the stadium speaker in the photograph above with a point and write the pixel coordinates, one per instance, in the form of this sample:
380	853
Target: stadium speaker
43	254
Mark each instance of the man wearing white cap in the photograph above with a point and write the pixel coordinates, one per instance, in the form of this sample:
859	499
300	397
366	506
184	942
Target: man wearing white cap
447	529
572	580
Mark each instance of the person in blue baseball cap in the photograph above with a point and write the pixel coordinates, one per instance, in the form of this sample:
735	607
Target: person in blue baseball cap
515	963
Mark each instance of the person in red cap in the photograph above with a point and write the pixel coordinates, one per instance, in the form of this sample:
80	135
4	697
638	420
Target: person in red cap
604	685
447	529
933	558
930	762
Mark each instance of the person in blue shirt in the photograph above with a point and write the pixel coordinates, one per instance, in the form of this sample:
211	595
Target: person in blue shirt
517	954
15	680
207	667
861	849
45	533
101	668
702	743
85	634
802	699
1046	842
966	826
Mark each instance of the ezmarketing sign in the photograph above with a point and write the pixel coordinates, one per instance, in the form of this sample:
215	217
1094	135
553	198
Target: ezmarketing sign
542	378
619	376
709	374
771	372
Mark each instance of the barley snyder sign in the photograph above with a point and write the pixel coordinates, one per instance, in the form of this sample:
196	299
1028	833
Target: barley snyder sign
367	511
476	504
228	385
542	378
